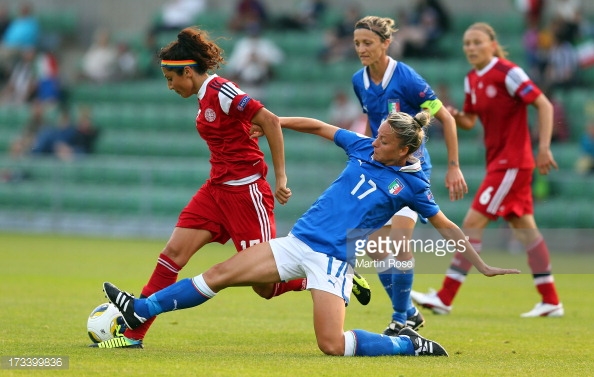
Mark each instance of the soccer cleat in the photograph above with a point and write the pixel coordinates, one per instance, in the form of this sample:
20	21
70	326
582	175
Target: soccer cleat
124	301
423	346
430	301
393	328
415	322
361	289
119	341
545	310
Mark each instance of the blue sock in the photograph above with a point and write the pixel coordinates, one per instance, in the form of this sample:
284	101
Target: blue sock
402	281
385	271
184	294
370	344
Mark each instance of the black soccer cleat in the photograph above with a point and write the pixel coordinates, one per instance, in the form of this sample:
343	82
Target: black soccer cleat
124	301
423	346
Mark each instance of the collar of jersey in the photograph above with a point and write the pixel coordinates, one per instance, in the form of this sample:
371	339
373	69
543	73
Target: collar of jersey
202	90
415	165
387	75
488	66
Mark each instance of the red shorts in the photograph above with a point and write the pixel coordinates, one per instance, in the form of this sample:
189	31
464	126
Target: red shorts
241	213
505	193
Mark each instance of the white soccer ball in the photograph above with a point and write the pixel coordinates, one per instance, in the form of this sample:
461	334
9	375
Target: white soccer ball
104	323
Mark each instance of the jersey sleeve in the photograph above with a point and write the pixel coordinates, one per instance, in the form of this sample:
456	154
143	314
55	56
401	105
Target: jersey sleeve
357	89
350	141
518	84
236	103
420	94
467	107
424	203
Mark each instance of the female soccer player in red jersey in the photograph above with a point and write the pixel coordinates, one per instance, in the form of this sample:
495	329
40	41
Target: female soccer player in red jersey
498	93
236	202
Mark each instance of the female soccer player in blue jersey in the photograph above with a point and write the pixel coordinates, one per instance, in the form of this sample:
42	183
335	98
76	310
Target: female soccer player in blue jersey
381	177
384	86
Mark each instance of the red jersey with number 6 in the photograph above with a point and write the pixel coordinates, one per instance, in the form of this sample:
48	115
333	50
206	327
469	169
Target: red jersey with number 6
499	94
223	121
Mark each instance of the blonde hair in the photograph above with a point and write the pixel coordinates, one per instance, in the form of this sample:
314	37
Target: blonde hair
410	130
384	27
488	29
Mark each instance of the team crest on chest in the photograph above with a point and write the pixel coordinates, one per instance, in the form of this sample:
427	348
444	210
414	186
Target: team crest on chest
395	187
210	115
491	91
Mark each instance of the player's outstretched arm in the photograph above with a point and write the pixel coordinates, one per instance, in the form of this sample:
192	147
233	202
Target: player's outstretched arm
451	231
309	125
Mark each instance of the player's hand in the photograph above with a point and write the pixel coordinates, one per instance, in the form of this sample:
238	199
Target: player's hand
452	110
455	183
545	161
282	193
256	131
494	271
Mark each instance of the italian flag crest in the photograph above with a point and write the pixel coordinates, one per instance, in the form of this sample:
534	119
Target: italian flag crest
395	187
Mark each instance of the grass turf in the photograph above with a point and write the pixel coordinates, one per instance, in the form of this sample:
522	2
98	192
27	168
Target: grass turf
49	284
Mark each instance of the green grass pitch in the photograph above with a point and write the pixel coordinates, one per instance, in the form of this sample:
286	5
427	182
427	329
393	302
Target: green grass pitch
49	284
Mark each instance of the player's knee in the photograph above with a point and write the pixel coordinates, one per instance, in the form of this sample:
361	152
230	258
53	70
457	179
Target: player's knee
331	347
264	291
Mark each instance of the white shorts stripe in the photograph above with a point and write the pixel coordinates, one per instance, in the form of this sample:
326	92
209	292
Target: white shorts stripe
263	219
504	187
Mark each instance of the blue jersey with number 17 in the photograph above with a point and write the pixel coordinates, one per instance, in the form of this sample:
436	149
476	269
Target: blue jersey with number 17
402	89
362	199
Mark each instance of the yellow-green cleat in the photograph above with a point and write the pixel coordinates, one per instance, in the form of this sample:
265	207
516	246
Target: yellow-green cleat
119	341
361	289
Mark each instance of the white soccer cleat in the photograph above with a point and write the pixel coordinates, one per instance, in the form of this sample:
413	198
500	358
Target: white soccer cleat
430	301
545	310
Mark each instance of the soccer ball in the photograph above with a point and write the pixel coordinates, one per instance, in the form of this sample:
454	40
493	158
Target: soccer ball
104	323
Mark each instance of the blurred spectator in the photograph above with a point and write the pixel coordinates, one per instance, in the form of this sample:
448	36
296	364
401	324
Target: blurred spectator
83	141
21	34
252	61
420	30
51	135
34	77
99	63
567	17
49	88
343	112
532	10
535	51
338	41
127	62
5	19
24	142
248	13
585	163
178	14
562	65
308	16
22	82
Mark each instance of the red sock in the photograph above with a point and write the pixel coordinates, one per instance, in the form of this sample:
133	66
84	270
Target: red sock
164	275
540	264
292	285
456	275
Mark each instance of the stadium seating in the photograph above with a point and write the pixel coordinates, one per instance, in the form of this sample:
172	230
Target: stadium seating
150	159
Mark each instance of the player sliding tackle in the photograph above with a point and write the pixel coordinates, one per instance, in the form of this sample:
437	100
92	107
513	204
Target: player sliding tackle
320	246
